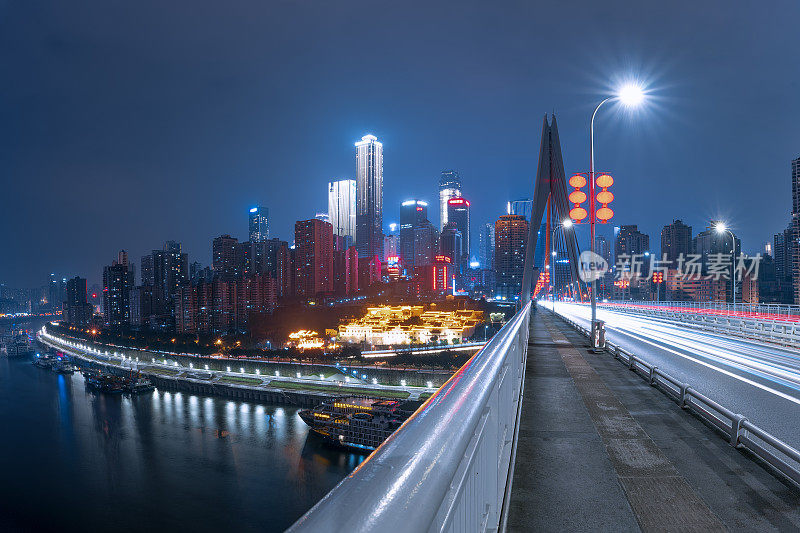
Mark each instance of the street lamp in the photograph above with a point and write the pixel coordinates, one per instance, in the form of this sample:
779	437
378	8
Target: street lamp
566	224
721	228
630	95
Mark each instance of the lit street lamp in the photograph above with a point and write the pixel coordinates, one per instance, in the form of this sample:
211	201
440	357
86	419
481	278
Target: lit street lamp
721	228
629	95
566	224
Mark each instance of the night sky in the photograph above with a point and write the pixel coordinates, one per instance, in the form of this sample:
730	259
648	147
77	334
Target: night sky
124	124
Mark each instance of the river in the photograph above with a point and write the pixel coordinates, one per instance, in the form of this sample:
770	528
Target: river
75	460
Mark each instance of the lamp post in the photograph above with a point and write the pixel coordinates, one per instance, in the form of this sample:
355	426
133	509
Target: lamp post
566	224
721	228
629	95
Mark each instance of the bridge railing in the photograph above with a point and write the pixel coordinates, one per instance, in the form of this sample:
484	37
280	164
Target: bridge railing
738	429
449	466
787	311
770	328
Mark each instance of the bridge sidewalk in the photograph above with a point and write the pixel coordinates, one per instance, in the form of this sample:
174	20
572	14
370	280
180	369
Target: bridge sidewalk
601	450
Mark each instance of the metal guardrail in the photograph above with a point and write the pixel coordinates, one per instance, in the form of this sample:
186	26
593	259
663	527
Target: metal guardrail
449	466
772	329
787	311
740	431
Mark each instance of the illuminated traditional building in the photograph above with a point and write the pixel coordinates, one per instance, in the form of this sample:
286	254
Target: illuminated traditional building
397	325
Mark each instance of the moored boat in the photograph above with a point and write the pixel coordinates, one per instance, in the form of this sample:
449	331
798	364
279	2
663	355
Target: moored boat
359	424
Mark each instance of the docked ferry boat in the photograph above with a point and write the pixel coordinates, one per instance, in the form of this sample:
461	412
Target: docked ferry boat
360	424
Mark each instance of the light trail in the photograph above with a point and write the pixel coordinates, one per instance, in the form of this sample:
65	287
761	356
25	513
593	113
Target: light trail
672	339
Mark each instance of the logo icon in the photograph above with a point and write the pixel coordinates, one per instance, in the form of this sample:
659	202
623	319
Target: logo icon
592	266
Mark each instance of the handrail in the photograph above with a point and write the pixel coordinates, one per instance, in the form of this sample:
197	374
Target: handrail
739	429
447	465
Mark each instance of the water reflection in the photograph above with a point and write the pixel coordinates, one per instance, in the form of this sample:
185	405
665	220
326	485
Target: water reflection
178	460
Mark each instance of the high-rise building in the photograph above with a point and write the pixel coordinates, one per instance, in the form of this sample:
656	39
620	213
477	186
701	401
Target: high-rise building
77	311
522	207
711	241
486	246
601	248
224	256
795	248
631	241
117	282
449	187
783	245
426	244
450	244
314	257
176	269
676	241
342	208
413	214
458	212
510	234
369	197
345	271
258	224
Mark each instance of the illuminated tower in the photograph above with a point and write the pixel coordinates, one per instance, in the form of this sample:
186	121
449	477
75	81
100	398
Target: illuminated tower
449	187
413	213
342	208
259	224
458	212
369	197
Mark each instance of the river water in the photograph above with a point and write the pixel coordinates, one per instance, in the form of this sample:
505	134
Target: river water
73	460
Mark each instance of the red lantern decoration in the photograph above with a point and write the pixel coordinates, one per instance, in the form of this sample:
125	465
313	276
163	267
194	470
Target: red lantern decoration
577	197
604	197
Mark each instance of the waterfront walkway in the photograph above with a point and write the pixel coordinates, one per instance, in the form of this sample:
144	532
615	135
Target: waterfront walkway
601	450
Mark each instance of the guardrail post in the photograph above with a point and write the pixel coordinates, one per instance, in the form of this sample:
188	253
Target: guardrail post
653	375
631	363
684	397
736	427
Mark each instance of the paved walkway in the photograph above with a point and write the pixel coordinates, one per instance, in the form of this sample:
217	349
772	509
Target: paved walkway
601	450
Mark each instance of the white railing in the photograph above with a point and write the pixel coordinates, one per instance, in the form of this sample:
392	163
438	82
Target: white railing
768	328
448	467
776	311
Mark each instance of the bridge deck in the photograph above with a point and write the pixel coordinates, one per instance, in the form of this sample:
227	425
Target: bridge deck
599	449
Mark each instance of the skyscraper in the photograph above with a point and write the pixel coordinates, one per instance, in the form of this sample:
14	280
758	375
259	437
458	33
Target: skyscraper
77	311
676	240
783	249
450	243
631	241
458	212
413	213
313	257
510	234
342	208
259	224
796	229
369	197
486	245
520	207
449	187
117	282
224	256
